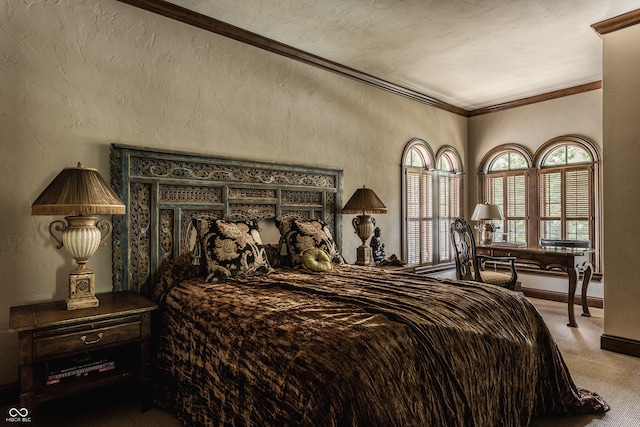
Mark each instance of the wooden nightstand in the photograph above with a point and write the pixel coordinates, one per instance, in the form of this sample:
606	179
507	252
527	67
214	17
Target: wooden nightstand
118	330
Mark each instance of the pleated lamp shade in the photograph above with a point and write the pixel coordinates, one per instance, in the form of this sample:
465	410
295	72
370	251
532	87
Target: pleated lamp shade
484	211
78	191
364	201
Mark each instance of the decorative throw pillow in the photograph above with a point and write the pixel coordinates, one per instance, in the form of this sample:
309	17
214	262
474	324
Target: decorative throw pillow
315	259
231	249
296	235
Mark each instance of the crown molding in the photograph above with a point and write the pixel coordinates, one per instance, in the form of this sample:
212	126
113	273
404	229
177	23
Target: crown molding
617	23
213	25
537	98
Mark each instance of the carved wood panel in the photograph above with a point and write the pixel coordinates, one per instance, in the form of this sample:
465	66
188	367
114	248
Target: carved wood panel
164	190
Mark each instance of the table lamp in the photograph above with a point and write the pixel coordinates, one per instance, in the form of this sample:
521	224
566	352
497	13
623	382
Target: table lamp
363	202
485	212
79	193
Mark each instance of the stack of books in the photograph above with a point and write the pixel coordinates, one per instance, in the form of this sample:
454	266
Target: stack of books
76	366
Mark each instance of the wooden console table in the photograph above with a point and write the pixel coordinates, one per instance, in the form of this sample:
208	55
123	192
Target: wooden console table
573	261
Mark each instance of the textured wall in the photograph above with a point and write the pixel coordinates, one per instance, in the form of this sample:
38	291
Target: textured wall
533	125
77	75
621	61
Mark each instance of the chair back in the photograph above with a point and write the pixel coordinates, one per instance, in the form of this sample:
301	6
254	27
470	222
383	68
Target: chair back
464	243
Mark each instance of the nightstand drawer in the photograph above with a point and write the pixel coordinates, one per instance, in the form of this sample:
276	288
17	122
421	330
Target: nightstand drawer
85	337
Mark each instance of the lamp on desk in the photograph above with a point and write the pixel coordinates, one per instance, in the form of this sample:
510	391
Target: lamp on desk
364	201
79	193
485	212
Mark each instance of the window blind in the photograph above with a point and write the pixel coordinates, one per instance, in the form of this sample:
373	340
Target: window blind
449	207
508	190
565	203
419	192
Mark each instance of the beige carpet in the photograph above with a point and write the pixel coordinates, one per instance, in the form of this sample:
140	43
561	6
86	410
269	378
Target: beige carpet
616	377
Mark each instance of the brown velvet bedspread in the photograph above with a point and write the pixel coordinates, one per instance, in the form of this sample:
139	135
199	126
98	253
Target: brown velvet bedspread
358	347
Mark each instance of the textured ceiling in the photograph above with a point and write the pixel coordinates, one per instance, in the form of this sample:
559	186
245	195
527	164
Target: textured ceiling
470	54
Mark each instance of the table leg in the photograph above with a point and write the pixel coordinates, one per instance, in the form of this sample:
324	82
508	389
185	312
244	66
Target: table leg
587	270
573	284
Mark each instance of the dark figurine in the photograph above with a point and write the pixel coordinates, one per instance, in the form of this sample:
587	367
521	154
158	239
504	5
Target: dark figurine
377	247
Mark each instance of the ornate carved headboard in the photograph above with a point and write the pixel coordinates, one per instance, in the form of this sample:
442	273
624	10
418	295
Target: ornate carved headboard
164	190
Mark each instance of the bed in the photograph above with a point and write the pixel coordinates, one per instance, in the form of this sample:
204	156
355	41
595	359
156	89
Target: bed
252	334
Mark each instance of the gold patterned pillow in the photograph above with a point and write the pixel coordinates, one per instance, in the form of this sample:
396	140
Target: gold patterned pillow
296	235
231	248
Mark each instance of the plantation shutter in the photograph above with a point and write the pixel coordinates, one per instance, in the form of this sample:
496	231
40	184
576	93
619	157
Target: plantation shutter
516	196
551	205
578	204
495	190
419	216
413	214
427	220
516	208
449	206
577	194
509	192
565	203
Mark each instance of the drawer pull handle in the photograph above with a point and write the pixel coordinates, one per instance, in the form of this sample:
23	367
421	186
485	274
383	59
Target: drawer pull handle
84	339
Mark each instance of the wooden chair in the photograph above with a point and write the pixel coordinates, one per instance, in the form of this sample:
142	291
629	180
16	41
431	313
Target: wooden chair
470	265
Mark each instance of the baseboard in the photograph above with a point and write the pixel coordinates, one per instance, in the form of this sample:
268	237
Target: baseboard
620	345
9	394
562	297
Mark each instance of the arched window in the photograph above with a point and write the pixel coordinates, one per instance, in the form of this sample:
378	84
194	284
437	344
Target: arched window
429	181
567	188
552	195
505	184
